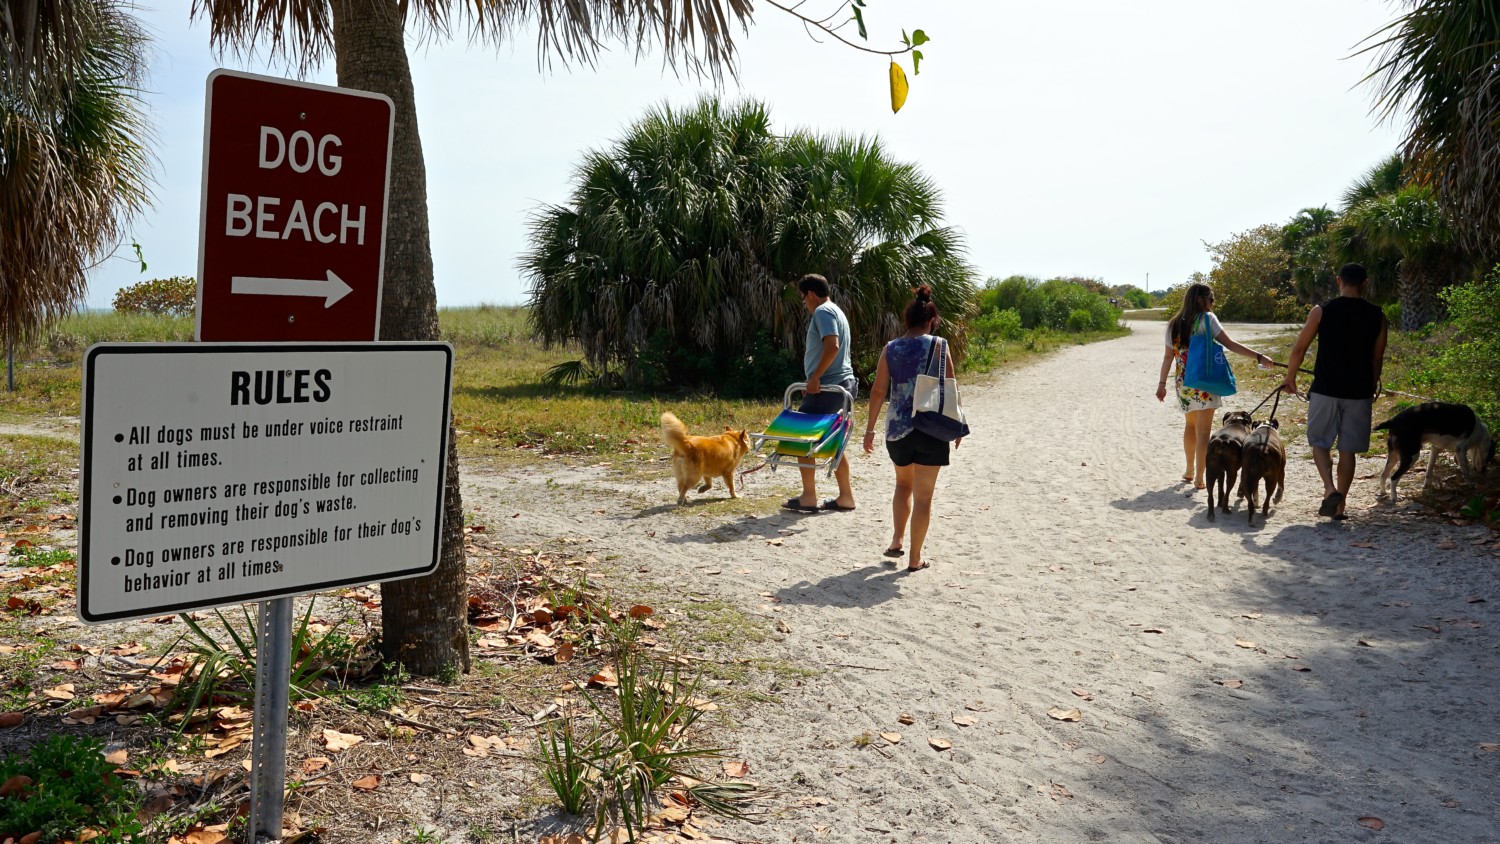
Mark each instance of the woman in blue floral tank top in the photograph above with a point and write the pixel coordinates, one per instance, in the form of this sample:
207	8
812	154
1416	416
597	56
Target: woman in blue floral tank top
917	456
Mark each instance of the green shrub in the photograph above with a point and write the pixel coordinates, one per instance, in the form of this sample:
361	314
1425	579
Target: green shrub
990	326
176	296
1080	320
1469	370
1393	313
72	789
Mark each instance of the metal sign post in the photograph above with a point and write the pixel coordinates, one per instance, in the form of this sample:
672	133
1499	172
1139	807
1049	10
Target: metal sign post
273	668
295	185
217	474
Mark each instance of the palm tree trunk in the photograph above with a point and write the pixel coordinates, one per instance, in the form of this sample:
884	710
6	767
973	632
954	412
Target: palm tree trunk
1418	292
425	619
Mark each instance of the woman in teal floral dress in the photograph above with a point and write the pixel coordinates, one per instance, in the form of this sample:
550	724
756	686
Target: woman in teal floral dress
1195	315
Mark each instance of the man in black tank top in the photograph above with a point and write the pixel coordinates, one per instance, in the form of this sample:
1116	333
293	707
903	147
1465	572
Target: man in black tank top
1351	334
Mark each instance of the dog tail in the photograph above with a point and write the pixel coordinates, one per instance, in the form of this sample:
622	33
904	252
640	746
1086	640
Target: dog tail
674	432
1383	426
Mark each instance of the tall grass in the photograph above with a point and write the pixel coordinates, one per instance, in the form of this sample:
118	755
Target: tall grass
73	334
485	325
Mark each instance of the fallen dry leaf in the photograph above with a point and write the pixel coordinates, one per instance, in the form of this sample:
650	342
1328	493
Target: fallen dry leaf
1083	693
1231	684
736	768
605	678
892	738
117	757
14	785
62	692
1450	803
1490	746
313	764
976	706
1370	822
200	835
905	718
1153	630
11	719
335	741
368	783
418	779
964	720
1057	713
940	743
1241	643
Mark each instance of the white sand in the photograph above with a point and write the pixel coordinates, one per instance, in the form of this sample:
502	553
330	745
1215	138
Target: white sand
1061	537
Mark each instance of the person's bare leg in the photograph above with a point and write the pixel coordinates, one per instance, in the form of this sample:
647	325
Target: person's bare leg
924	481
846	491
1189	445
809	473
900	506
1347	462
1202	428
1323	459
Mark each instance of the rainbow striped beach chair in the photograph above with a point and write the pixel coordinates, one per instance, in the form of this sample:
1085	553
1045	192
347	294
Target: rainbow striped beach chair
794	436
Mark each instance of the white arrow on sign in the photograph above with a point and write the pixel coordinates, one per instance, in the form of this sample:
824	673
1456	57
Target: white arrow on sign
331	290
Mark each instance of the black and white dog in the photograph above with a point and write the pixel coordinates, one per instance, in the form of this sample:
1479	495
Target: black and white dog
1442	425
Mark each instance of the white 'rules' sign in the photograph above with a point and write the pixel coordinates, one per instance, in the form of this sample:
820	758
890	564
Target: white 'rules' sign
222	474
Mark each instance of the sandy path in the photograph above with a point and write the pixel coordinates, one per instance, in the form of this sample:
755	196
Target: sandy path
1066	557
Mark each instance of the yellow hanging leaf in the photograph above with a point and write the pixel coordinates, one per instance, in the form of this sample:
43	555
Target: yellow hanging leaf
898	87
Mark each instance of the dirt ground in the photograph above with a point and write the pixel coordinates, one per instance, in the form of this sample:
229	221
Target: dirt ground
1087	659
1106	664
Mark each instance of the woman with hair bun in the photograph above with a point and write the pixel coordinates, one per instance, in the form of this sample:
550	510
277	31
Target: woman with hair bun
917	456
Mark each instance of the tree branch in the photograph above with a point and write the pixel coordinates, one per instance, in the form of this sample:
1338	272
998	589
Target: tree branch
807	21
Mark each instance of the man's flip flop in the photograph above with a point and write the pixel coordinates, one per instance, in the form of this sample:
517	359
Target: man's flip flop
1339	517
919	566
833	504
1330	504
796	504
893	552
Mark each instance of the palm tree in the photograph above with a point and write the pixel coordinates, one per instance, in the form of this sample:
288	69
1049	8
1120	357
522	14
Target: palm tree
1305	238
424	621
74	167
1439	64
1411	224
1385	177
698	220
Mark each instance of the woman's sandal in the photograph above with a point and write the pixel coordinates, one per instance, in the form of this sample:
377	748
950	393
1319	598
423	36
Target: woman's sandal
919	566
893	552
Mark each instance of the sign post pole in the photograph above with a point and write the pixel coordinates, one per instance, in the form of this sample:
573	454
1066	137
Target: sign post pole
273	670
294	195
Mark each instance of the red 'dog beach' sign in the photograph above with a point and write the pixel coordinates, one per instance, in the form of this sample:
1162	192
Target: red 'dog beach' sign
292	242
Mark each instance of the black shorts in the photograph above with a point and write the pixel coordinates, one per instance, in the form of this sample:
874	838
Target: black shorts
828	401
919	448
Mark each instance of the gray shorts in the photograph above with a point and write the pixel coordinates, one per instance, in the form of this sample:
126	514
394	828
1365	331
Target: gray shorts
1346	421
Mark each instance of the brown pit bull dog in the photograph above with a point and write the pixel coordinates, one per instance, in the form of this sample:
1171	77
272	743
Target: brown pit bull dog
1223	459
1262	457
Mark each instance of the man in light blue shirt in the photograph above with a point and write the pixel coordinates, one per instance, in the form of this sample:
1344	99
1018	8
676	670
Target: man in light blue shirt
826	363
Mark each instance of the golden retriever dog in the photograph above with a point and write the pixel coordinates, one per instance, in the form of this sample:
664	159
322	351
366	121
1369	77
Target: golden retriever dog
697	459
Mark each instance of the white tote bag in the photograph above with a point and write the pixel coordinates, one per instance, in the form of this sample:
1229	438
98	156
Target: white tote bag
935	404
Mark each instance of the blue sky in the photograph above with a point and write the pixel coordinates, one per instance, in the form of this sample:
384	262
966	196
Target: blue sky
1069	138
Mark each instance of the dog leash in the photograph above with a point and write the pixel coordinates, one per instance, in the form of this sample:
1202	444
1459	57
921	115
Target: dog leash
1276	394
